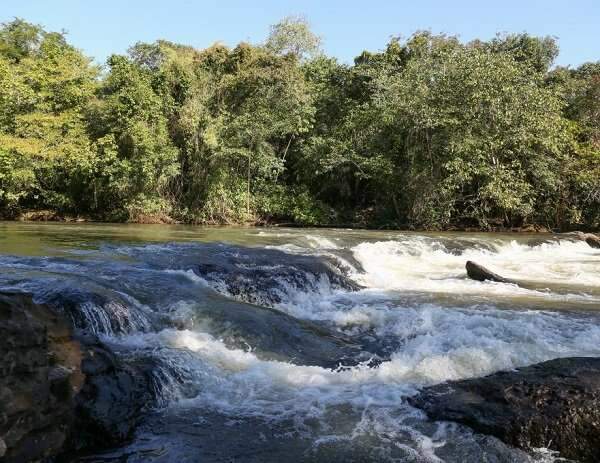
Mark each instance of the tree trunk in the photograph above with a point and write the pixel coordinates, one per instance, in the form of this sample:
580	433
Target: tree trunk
248	191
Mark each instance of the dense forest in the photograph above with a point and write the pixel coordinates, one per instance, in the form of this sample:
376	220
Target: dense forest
430	133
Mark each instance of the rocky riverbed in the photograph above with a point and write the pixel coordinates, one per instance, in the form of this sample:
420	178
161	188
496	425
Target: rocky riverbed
140	344
66	393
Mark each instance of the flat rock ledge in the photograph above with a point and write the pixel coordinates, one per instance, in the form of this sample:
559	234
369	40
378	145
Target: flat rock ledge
554	404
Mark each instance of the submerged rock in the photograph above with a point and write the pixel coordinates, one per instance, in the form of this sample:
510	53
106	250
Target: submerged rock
275	335
480	273
91	308
270	276
554	404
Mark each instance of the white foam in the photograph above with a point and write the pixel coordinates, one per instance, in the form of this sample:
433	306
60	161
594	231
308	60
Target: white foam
320	242
440	344
425	265
560	274
432	343
190	275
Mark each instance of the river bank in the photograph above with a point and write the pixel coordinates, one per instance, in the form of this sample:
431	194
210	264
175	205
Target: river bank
53	216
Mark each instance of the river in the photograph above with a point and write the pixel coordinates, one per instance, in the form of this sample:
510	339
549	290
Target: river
303	344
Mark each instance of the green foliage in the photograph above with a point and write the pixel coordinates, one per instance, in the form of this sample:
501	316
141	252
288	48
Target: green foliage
429	133
292	35
450	134
484	137
19	39
537	52
291	204
44	86
137	158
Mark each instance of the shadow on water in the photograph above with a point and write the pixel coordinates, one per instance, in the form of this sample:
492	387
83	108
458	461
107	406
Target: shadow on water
188	436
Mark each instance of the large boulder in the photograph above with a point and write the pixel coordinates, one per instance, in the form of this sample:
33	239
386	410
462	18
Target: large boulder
590	238
554	404
113	397
60	390
39	378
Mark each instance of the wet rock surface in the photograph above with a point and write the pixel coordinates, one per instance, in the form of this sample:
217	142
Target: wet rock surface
590	238
593	241
278	336
554	404
63	392
113	397
258	275
90	307
39	378
480	273
268	277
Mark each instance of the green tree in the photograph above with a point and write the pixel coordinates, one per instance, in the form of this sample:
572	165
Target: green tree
44	86
428	133
136	158
292	35
537	52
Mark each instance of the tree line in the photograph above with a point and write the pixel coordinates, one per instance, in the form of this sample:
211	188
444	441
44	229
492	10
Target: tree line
429	133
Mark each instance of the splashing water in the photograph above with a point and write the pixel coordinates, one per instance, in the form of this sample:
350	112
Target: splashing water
307	344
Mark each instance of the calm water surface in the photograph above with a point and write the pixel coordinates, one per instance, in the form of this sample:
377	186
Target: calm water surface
303	344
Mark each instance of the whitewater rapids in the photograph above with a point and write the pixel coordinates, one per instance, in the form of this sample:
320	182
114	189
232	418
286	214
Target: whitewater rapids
307	343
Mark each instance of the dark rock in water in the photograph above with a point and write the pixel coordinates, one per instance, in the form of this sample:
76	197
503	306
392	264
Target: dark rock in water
270	276
575	234
593	241
58	393
39	378
113	397
264	276
554	404
269	285
590	238
480	273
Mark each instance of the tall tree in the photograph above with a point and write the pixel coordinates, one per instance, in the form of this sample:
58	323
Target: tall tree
44	86
292	35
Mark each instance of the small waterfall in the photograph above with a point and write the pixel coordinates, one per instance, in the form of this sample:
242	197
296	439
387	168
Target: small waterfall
111	318
108	313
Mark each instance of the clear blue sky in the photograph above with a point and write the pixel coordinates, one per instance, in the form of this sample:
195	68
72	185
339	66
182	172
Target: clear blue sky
102	27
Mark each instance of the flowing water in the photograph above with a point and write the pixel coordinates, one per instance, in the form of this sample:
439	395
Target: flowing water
303	345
